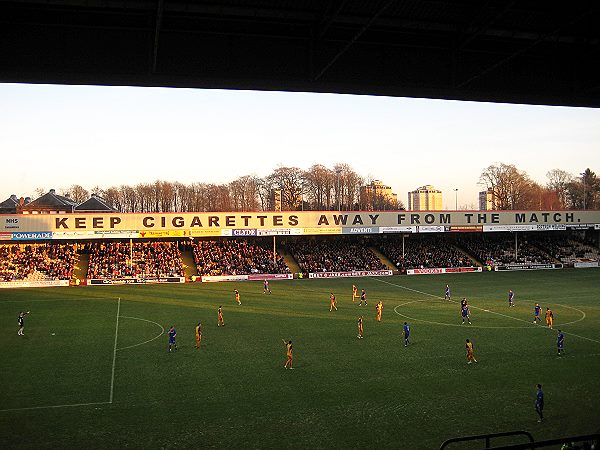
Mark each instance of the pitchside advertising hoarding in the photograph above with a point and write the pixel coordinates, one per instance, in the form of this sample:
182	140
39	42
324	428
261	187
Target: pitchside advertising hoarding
185	225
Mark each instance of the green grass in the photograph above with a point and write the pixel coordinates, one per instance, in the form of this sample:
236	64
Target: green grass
343	393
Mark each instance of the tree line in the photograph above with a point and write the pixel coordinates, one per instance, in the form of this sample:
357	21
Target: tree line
321	188
288	188
512	188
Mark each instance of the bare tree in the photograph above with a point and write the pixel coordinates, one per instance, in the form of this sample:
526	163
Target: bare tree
112	196
77	193
318	185
347	187
558	181
511	188
289	181
244	193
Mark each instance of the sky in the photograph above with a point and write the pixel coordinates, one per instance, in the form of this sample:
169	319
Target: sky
56	136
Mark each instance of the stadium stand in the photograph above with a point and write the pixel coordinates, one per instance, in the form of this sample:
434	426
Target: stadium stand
236	257
421	252
110	260
33	262
567	248
498	249
334	255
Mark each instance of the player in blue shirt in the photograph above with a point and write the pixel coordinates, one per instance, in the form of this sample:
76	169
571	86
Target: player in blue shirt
266	287
539	402
511	297
537	313
363	297
21	322
560	342
465	314
447	294
406	331
172	335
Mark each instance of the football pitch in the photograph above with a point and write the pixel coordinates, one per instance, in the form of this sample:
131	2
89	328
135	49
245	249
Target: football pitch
93	370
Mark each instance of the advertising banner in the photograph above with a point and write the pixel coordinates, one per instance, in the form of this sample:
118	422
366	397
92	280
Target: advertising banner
360	230
31	236
280	232
585	264
33	284
251	277
119	281
5	236
430	271
397	229
356	273
528	267
440	270
270	276
498	228
162	225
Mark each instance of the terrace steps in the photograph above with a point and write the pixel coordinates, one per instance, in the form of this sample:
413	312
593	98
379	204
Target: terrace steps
289	260
81	267
384	259
189	265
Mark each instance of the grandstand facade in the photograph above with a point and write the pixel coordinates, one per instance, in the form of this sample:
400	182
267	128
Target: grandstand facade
103	247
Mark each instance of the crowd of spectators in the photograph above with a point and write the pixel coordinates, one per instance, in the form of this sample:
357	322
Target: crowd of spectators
421	252
56	261
109	260
566	247
334	255
498	249
236	257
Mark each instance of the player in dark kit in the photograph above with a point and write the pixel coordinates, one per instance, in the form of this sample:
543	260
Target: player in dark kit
447	293
560	342
21	322
537	311
363	297
511	298
266	287
464	312
172	335
406	331
539	402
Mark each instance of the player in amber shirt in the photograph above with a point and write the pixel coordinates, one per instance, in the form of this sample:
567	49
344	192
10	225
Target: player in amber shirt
549	317
379	309
198	335
289	354
237	296
332	302
220	320
360	328
354	292
470	354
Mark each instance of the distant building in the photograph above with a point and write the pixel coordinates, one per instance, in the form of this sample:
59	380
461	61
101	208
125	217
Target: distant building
377	195
49	203
10	205
95	204
275	200
425	198
486	200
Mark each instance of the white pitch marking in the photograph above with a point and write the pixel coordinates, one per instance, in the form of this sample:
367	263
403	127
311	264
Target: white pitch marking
54	406
493	312
112	378
162	331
